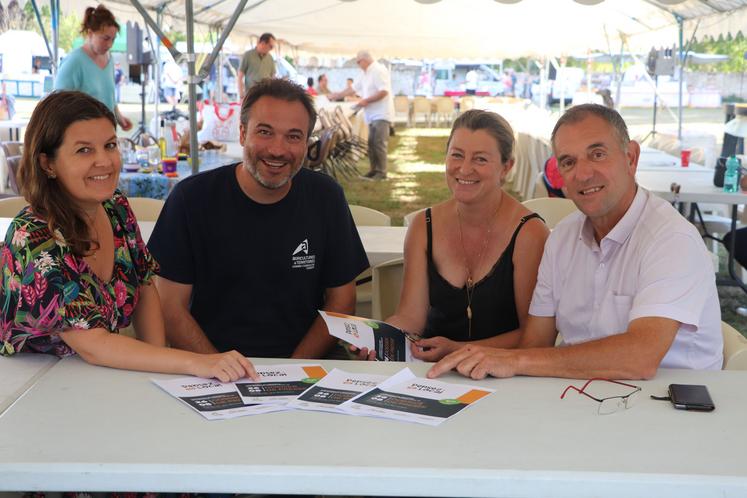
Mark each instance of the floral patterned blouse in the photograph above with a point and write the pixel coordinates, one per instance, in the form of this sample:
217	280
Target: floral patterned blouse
46	289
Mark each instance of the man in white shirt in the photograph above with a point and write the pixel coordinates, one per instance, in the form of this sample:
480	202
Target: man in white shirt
626	282
375	88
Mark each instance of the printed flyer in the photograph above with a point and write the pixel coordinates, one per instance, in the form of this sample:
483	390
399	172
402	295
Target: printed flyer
413	399
280	383
389	342
211	398
335	389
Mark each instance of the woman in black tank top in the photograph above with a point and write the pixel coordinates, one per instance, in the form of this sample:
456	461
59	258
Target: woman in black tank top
471	262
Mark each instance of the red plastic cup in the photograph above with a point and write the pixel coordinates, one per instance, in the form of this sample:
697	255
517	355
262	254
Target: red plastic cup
685	157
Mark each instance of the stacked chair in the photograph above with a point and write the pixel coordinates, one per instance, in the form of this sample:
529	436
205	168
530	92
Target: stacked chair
337	149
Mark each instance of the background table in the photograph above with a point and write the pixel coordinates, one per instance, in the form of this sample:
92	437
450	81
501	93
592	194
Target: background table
14	127
158	186
85	428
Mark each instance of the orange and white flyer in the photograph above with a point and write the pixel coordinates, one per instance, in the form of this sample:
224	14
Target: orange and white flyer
389	342
211	398
279	383
335	389
406	397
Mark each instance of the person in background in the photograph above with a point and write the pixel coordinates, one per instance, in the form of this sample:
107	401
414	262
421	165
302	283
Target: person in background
377	101
471	261
118	80
310	86
7	103
250	252
89	68
75	269
256	64
323	85
171	81
350	90
626	281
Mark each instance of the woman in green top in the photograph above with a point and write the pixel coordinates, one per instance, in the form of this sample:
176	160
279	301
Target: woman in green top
89	68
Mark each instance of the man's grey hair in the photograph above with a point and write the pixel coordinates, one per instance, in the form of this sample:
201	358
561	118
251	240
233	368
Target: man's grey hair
364	55
578	113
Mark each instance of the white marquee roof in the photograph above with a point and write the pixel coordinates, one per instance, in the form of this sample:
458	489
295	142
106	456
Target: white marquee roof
456	28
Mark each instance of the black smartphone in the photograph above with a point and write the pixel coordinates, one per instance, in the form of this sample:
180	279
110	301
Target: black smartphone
691	397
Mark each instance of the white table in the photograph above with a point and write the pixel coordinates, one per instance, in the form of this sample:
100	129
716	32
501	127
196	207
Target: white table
381	243
658	160
19	373
88	428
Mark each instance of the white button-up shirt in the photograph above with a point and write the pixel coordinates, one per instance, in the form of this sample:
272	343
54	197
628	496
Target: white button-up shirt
653	263
375	78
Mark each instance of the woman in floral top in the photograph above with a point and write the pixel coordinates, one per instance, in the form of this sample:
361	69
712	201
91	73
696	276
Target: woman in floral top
74	267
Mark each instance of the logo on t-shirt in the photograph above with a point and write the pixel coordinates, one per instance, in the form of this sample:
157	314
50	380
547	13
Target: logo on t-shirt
301	257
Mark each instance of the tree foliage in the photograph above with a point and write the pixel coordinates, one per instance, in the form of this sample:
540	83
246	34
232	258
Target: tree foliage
733	46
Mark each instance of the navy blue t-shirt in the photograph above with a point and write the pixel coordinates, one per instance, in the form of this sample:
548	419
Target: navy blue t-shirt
258	271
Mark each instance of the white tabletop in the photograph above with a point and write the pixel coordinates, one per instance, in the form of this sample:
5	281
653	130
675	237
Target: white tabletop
658	160
98	429
382	243
20	372
695	186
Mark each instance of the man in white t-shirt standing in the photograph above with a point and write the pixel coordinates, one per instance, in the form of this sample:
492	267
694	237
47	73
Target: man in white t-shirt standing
626	282
375	89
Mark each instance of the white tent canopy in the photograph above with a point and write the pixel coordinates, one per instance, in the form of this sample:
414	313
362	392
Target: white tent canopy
456	28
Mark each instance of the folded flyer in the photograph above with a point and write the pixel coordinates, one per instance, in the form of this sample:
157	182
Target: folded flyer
406	397
335	389
279	383
389	342
211	398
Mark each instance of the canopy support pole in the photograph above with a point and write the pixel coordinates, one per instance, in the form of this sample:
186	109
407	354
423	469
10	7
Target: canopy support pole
44	35
681	67
192	85
55	11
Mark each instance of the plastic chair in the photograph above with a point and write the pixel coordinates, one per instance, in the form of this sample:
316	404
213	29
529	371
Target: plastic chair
444	110
387	287
552	209
363	216
409	217
13	163
402	107
11	206
421	106
146	209
735	348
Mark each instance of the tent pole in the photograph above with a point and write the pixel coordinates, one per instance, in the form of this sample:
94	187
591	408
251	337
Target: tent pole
55	21
44	35
227	28
681	67
192	84
157	28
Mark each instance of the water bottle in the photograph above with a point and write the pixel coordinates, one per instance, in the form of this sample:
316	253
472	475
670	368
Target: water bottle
731	176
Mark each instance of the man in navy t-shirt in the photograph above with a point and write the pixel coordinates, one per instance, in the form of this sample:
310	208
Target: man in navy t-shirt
250	252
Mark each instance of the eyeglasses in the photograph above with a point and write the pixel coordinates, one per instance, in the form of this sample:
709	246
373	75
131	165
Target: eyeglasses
610	404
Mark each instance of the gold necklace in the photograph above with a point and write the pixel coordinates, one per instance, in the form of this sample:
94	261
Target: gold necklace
469	286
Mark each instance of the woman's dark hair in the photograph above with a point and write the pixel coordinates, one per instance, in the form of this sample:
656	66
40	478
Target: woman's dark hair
45	133
96	19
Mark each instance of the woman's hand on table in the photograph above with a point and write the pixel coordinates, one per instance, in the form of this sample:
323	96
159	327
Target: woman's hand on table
226	367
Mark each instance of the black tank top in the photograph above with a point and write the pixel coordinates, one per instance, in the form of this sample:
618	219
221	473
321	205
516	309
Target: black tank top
493	302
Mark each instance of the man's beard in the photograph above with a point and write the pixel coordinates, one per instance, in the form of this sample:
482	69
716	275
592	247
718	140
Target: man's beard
250	163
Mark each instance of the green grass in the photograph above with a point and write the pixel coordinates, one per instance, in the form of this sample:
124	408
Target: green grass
415	177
